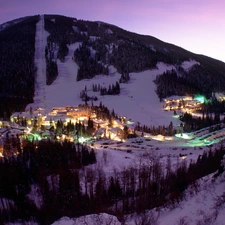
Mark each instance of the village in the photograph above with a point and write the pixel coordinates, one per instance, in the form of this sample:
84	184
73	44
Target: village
85	124
63	123
183	103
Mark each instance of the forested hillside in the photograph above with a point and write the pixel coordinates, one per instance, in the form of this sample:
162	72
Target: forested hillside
17	69
104	44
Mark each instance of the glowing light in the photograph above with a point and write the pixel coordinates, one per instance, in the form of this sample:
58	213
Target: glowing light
81	140
71	139
169	138
37	137
159	137
200	98
187	98
28	130
183	135
129	122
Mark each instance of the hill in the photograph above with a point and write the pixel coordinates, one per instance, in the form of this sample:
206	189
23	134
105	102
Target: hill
99	46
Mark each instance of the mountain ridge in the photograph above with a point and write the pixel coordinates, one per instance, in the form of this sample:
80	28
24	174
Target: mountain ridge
20	19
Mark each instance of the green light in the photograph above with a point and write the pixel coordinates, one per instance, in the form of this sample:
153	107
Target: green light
129	122
30	138
201	143
34	137
37	137
200	98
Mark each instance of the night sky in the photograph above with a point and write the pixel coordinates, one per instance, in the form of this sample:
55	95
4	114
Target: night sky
196	25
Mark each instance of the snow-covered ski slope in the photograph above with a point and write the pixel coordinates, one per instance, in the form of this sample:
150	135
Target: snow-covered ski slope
65	89
40	83
138	100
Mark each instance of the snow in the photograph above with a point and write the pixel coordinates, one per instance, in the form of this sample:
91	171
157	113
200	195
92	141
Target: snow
62	92
188	64
139	101
40	83
114	155
94	219
65	89
199	208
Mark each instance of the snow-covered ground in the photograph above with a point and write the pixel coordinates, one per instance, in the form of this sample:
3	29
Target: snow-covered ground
94	219
115	156
65	90
138	100
188	64
206	207
201	206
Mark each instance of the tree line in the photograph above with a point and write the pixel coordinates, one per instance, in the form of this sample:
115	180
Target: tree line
101	111
211	114
88	66
75	130
156	130
169	83
197	80
132	57
191	123
51	63
62	30
113	89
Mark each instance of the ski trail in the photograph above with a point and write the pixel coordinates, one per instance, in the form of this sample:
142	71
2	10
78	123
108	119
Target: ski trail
63	91
40	81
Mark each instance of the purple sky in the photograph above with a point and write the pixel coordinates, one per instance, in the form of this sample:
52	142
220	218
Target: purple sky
196	25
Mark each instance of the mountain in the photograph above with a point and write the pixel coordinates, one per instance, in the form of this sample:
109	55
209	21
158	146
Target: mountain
50	61
100	45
